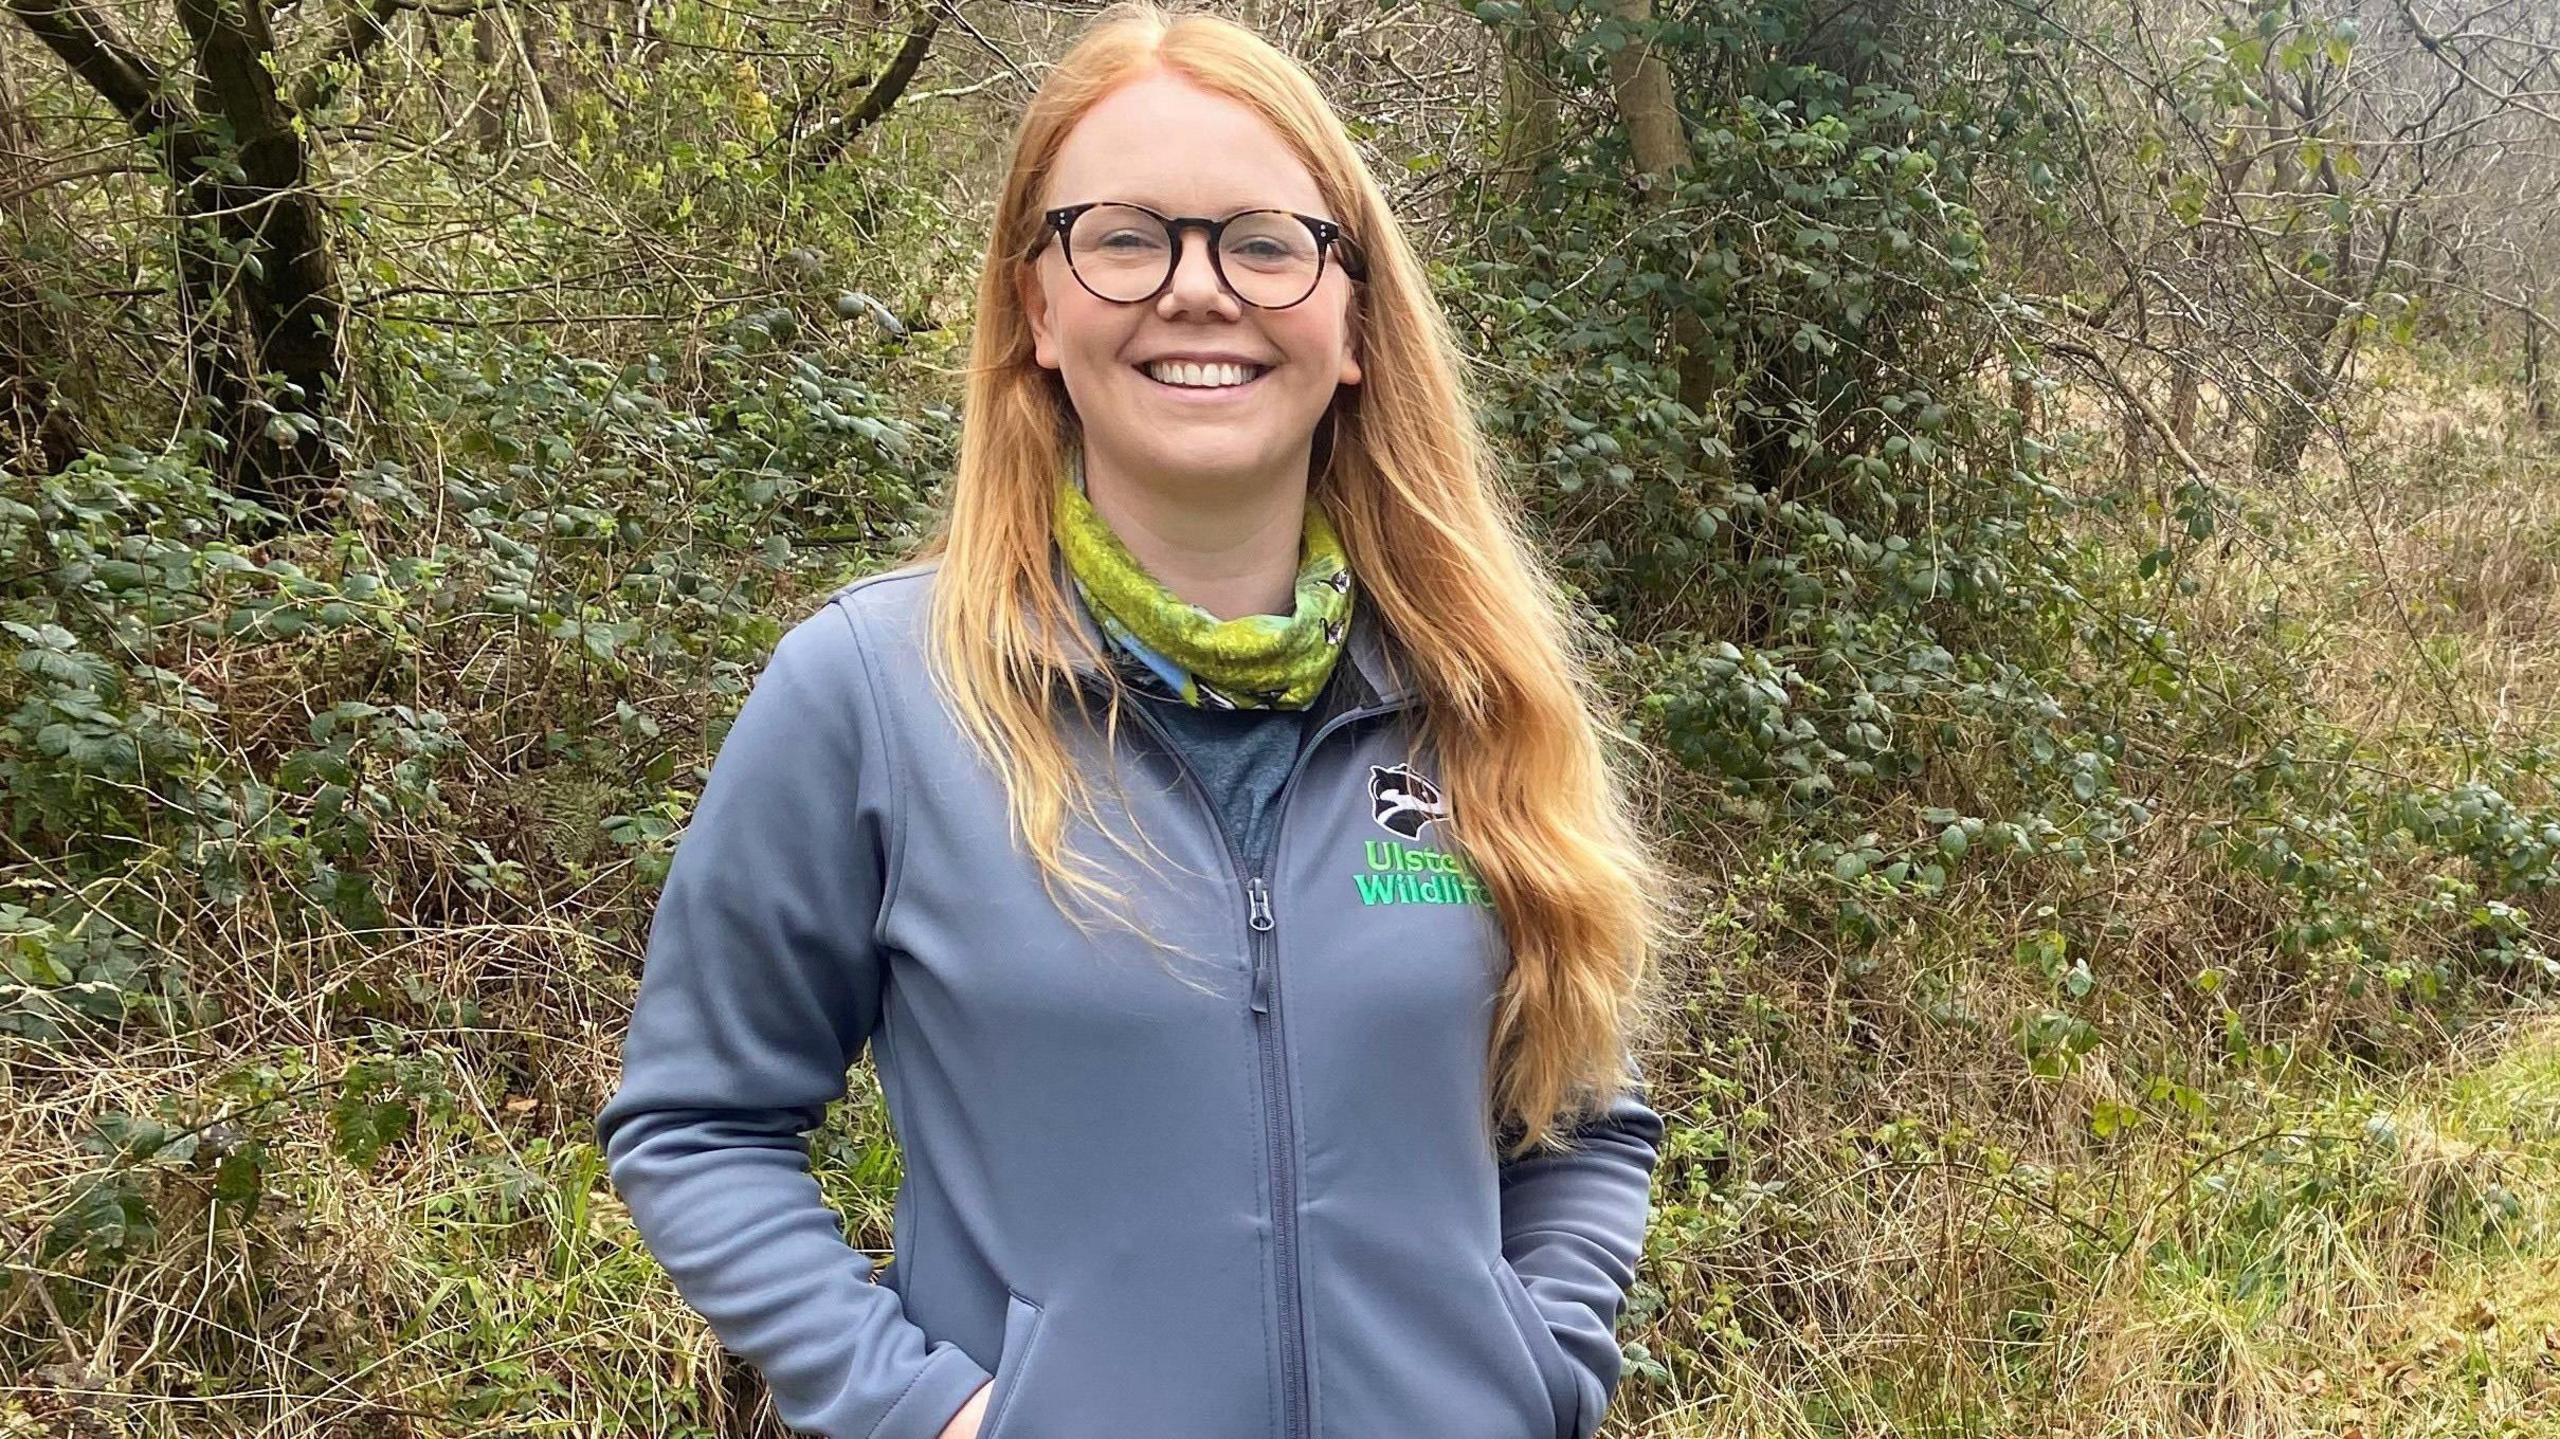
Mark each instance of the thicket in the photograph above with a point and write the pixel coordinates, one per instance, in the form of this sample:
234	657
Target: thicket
333	825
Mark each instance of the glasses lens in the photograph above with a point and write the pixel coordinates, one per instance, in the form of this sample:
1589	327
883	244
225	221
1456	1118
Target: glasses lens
1270	257
1119	251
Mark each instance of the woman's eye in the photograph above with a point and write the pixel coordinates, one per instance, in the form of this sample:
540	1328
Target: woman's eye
1128	240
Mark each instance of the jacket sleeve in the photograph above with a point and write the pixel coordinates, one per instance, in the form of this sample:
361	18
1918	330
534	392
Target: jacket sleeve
1573	1226
761	985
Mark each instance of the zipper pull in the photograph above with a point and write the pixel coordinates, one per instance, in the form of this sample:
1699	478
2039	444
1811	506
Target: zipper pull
1258	919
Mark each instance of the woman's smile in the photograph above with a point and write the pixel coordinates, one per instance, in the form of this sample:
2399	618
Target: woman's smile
1191	383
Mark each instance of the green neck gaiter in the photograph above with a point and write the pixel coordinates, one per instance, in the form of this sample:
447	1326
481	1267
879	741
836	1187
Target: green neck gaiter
1183	652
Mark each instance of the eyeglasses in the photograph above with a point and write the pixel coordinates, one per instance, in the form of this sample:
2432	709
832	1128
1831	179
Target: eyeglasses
1269	259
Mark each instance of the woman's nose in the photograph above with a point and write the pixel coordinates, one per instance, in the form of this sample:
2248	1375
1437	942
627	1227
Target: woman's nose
1195	287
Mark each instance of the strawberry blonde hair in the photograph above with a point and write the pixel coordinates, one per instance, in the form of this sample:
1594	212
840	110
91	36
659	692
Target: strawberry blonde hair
1507	701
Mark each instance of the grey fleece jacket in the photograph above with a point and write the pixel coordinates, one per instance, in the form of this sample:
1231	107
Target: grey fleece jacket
1251	1197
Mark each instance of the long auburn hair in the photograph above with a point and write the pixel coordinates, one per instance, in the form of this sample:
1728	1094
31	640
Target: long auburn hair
1437	548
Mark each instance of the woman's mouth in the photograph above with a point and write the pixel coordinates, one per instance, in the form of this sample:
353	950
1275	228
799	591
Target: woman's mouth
1194	379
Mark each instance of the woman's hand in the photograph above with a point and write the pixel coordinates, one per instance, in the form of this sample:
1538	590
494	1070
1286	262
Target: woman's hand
964	1425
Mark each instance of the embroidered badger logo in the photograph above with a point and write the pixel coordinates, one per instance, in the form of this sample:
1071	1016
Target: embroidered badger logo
1402	802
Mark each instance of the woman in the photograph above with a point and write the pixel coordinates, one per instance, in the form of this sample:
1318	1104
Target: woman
1249	954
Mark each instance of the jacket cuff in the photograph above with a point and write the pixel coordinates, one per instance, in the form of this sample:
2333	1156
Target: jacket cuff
1573	1228
946	1381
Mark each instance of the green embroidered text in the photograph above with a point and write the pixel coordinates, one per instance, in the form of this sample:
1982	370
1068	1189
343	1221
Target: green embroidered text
1409	874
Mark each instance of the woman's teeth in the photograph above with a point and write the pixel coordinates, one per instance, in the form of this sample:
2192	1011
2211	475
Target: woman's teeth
1201	376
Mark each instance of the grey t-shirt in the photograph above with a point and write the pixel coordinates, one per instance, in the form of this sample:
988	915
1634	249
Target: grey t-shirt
1243	757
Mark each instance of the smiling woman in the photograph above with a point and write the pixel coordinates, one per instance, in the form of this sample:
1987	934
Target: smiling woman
1376	1160
1162	434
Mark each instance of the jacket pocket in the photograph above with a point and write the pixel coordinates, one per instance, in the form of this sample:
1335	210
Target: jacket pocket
1564	1394
1021	1336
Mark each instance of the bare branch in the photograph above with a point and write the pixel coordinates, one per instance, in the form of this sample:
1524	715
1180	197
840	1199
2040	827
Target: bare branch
829	143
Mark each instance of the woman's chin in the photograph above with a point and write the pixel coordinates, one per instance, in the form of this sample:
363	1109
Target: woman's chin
1192	469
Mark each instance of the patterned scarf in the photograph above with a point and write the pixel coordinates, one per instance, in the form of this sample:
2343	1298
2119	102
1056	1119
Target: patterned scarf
1180	651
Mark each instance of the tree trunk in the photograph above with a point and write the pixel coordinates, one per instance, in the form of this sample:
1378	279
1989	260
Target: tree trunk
1530	122
488	112
2182	405
2286	431
2537	376
555	78
2313	312
1641	84
290	299
2133	437
39	433
257	286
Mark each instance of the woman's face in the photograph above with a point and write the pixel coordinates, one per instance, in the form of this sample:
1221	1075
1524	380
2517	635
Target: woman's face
1163	142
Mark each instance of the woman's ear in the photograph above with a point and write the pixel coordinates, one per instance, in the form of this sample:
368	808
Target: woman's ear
1035	309
1350	374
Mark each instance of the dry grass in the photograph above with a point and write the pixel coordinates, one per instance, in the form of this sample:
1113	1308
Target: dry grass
2410	572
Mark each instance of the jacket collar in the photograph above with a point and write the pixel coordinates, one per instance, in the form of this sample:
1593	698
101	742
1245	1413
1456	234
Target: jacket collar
1367	647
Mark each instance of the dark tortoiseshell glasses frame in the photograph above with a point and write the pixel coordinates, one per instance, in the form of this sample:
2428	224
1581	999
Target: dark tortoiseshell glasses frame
1330	238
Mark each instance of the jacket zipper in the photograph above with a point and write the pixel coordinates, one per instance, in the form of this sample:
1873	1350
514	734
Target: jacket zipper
1279	1119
